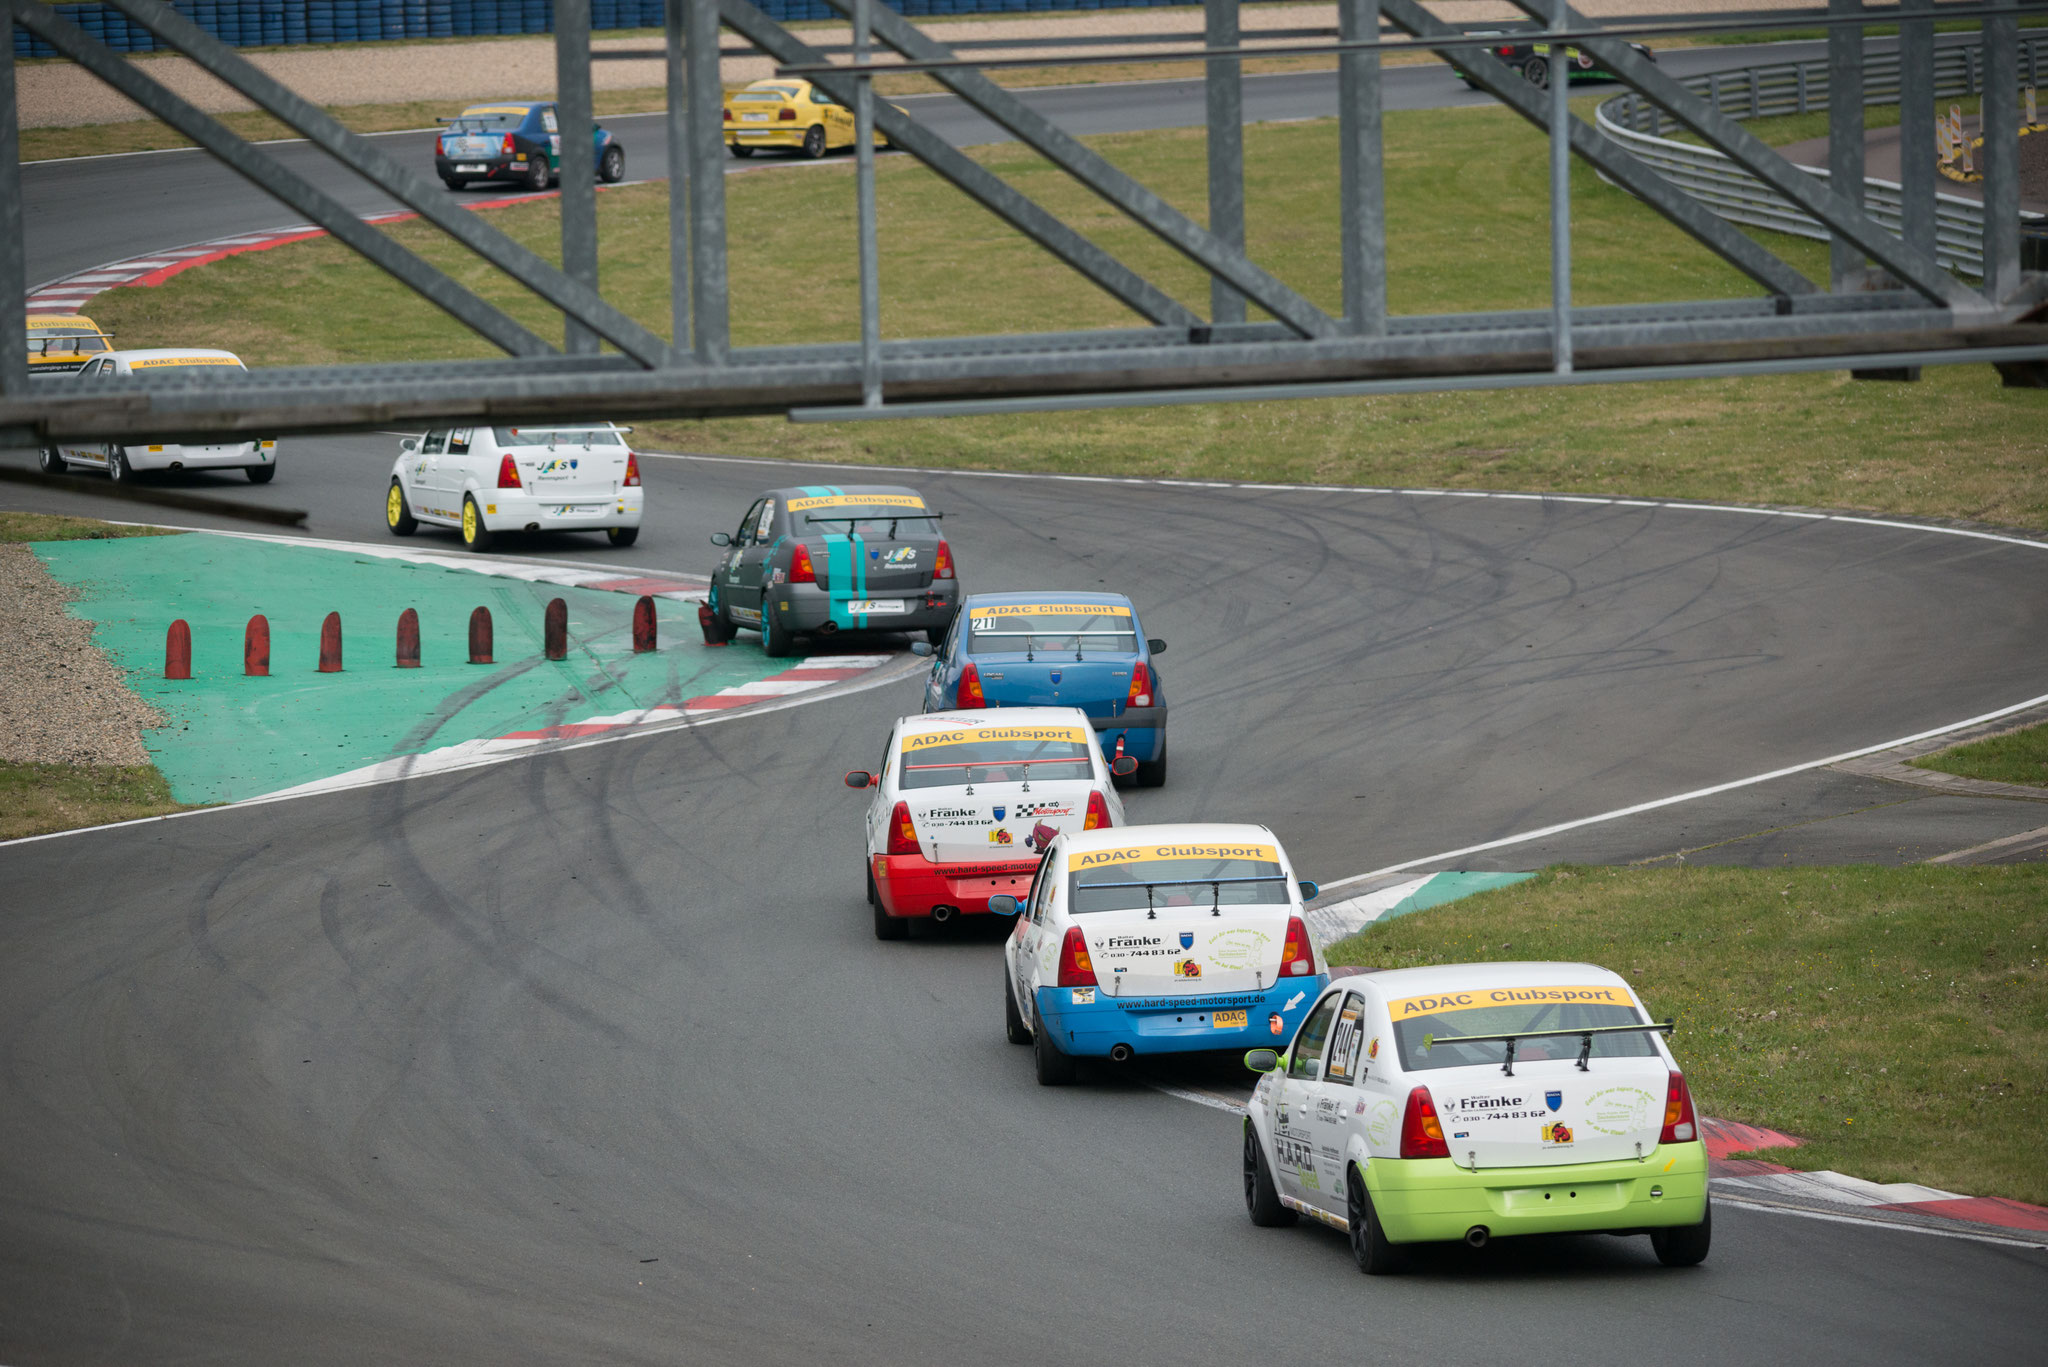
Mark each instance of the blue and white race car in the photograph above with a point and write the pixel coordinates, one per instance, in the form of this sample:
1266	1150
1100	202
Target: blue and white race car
1058	649
1157	940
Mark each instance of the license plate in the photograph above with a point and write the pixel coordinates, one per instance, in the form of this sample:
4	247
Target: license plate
754	118
472	168
1227	1020
878	605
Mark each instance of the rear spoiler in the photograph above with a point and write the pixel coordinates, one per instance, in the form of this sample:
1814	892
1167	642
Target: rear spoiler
1585	1038
876	517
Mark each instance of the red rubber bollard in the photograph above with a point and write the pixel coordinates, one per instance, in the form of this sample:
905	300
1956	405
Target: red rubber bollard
256	647
555	630
643	625
707	622
330	644
178	651
480	636
408	639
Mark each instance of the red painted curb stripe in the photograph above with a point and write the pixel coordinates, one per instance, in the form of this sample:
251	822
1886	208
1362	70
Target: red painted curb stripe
163	273
1725	1137
1982	1210
715	702
641	585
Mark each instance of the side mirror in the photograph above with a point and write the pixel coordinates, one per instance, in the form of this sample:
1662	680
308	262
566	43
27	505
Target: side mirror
1123	766
1002	904
409	445
721	539
1309	888
859	778
1155	645
921	648
1262	1060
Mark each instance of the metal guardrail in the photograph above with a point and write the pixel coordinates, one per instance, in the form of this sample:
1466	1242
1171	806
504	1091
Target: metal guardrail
1635	124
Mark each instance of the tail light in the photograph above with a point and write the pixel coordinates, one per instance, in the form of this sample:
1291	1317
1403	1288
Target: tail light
508	474
1098	813
942	568
801	570
1502	51
632	471
970	687
1679	1125
1298	954
1141	686
441	145
787	115
509	147
902	831
1076	968
1422	1134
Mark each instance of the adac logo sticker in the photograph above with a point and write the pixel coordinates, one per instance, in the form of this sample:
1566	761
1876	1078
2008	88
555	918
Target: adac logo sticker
1187	939
1557	1134
1554	1100
999	836
1187	968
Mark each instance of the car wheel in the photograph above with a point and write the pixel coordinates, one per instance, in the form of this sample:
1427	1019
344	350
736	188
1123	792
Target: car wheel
455	182
869	875
475	534
1536	71
937	635
260	474
814	142
1261	1197
776	640
118	468
889	927
1684	1245
1055	1069
1369	1246
1152	775
51	461
1014	1028
622	536
537	176
397	516
611	167
739	151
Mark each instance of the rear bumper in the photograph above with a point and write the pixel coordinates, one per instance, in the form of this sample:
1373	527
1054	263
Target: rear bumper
1424	1200
1175	1025
806	609
511	510
492	168
911	885
786	135
239	456
1143	740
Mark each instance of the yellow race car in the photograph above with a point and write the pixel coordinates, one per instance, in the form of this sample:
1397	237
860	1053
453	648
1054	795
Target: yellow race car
61	343
793	115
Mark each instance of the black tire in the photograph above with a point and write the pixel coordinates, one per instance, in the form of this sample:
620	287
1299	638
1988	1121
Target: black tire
1684	1245
739	151
1014	1029
815	146
1369	1247
1055	1069
538	177
1536	71
118	468
937	635
51	462
1152	775
776	639
455	182
723	630
260	474
611	167
1261	1197
475	535
869	874
398	513
889	927
622	536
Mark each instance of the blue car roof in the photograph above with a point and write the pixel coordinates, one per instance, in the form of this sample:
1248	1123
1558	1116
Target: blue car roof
1074	596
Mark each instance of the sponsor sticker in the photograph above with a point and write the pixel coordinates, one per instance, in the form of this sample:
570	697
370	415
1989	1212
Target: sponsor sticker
1379	1126
812	502
1557	1134
1619	1110
162	362
1227	1020
1408	1007
493	109
999	836
1234	948
1045	609
1132	854
927	740
1084	996
1187	968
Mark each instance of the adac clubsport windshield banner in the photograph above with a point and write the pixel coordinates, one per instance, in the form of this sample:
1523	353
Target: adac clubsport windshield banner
982	735
811	503
1407	1007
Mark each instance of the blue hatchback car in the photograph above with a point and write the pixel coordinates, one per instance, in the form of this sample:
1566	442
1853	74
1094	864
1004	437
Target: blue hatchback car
516	140
1058	649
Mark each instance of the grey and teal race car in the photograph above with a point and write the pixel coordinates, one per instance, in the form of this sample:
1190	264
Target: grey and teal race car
822	558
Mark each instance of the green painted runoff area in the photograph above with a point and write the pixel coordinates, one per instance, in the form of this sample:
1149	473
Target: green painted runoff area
1449	887
229	737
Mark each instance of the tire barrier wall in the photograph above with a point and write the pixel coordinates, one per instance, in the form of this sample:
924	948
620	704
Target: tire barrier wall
290	23
1800	88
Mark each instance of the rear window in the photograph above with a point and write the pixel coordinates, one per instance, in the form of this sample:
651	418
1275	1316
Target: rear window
1081	628
882	515
774	94
991	754
1177	874
557	436
1496	1011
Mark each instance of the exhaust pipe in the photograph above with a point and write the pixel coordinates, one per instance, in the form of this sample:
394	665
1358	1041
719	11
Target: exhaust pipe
826	627
944	914
533	526
1476	1236
1120	1053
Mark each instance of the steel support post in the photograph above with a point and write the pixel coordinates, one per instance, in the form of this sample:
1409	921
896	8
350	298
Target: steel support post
1225	88
1845	137
711	325
578	160
297	193
2001	154
864	183
1560	197
13	271
1361	179
678	125
1916	127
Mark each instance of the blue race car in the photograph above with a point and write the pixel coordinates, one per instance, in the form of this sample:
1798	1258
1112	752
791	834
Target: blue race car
1058	649
515	140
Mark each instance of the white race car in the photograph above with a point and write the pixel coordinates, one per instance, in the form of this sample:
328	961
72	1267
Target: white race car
1469	1101
570	477
257	458
1157	940
966	803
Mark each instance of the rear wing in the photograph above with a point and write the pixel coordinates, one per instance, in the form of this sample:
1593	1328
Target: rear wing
893	517
1584	1036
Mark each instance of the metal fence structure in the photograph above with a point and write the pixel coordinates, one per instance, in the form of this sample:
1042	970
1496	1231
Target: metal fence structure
1637	125
1888	305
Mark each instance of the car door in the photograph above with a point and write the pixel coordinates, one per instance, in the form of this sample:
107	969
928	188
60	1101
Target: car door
742	601
90	455
1034	927
1294	1128
884	801
551	134
1337	1106
836	117
937	685
753	563
431	471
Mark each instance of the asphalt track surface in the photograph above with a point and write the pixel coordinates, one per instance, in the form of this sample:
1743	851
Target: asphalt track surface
592	1056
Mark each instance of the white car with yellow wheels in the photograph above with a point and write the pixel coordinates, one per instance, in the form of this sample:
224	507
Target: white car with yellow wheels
481	481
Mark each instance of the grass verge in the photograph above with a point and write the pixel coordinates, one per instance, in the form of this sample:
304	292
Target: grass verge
1895	1019
53	527
36	799
1467	230
2015	757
